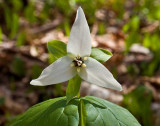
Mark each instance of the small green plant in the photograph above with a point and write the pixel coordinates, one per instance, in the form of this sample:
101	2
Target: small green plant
74	62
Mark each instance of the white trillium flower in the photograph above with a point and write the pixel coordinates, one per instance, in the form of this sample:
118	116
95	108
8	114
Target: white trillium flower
78	61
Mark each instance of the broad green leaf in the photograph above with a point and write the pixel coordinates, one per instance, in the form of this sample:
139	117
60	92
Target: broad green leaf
101	55
57	49
54	112
85	111
51	58
103	113
73	87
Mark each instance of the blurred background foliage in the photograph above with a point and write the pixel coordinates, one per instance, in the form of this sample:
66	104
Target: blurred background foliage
24	25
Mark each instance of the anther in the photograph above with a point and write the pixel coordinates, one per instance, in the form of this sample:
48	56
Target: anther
85	58
78	56
83	65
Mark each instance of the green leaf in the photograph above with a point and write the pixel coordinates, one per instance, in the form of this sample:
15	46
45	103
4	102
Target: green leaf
86	111
54	112
57	49
51	58
103	113
101	55
73	87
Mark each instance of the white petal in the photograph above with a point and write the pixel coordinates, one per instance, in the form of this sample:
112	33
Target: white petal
80	39
57	72
99	75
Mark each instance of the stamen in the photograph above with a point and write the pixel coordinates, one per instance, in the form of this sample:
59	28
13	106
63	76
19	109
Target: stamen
78	69
78	56
85	58
83	65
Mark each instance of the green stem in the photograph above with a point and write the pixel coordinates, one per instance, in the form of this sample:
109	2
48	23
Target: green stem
82	113
78	94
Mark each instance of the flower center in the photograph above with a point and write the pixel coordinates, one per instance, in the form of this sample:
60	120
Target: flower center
78	62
